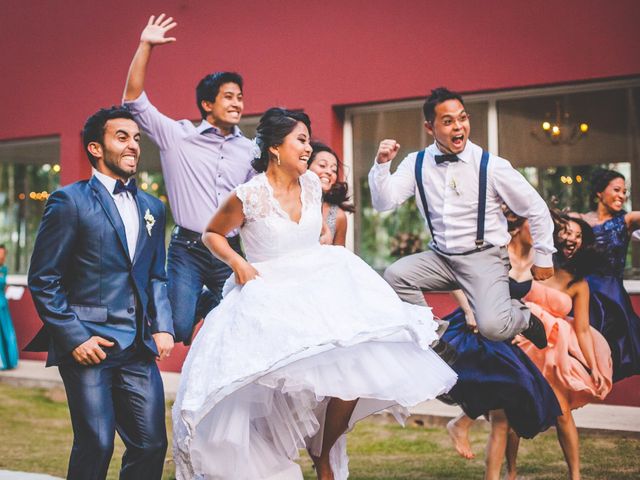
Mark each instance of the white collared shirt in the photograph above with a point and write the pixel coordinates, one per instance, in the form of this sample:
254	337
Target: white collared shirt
451	189
128	210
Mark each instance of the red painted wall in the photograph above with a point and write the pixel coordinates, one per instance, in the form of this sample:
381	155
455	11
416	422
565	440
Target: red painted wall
61	64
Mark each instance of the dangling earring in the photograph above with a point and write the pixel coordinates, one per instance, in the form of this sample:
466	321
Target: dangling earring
278	158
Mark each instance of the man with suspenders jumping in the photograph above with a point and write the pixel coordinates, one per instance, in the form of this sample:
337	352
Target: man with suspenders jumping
460	190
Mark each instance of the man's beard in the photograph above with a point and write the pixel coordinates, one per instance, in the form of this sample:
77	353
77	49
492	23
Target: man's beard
118	171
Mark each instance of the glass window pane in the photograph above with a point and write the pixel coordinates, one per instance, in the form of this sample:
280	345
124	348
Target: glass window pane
381	238
29	172
524	141
478	112
559	140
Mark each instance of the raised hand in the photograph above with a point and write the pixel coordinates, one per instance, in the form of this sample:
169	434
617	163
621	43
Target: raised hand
156	29
90	352
387	151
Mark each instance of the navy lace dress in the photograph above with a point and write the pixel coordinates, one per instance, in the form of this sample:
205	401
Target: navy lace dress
498	375
610	309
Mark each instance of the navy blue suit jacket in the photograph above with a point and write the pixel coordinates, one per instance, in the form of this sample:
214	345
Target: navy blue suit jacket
82	280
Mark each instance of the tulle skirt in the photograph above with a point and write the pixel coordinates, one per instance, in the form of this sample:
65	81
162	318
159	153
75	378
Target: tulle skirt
262	370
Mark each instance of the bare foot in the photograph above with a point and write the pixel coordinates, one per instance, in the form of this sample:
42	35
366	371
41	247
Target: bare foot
460	437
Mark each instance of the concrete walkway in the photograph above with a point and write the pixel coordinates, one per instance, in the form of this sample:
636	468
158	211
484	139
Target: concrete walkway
9	475
32	373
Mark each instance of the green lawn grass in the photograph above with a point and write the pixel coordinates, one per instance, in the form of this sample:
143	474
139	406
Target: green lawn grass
35	434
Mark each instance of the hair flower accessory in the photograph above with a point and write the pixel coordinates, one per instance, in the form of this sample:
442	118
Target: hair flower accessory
255	148
150	221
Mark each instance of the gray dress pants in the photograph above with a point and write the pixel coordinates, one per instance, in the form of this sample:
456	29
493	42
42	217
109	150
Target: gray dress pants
483	276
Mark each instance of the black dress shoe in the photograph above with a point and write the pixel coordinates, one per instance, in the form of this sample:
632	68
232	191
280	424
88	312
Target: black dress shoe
445	351
535	332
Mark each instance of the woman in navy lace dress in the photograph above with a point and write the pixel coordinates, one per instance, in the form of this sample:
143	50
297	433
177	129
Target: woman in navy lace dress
611	311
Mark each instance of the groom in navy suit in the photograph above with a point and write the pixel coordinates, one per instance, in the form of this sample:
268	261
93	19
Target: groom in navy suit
97	278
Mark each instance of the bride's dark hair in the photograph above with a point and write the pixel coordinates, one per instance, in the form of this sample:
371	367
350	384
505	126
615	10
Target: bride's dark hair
275	124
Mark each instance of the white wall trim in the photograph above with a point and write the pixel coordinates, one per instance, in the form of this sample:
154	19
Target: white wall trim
347	159
19	280
492	128
632	286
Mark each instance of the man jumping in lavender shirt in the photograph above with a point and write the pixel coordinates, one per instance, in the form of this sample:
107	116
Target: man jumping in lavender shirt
201	165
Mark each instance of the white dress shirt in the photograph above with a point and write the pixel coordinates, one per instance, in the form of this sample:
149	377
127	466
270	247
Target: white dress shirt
128	210
451	189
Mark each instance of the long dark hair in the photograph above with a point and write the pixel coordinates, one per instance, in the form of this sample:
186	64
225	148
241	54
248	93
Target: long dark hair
274	126
600	179
338	194
587	259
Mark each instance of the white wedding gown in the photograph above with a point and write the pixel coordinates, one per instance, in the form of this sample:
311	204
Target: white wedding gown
317	323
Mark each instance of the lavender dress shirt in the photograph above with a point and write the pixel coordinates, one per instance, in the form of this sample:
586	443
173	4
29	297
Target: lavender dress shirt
200	165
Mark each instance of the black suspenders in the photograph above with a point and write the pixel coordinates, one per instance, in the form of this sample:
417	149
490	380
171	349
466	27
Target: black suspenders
423	197
482	197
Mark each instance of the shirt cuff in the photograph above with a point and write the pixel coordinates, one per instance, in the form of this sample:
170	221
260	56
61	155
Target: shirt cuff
164	331
543	260
380	168
139	104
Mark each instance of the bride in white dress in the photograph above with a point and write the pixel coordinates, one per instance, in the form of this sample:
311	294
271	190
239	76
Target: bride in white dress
307	340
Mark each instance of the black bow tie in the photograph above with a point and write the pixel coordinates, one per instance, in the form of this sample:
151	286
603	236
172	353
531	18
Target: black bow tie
449	157
129	187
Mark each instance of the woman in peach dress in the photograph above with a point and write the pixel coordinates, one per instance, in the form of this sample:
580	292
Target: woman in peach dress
577	361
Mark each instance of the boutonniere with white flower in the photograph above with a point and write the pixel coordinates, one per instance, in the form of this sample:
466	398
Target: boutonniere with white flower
150	221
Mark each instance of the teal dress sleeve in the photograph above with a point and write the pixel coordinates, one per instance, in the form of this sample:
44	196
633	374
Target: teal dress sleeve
8	342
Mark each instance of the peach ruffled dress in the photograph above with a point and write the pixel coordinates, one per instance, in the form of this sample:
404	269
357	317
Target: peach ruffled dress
562	362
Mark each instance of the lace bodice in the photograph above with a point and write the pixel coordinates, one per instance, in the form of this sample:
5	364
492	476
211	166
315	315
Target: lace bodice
612	237
268	232
332	215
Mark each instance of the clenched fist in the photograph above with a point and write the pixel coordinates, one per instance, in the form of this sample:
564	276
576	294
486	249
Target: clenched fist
387	151
541	273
